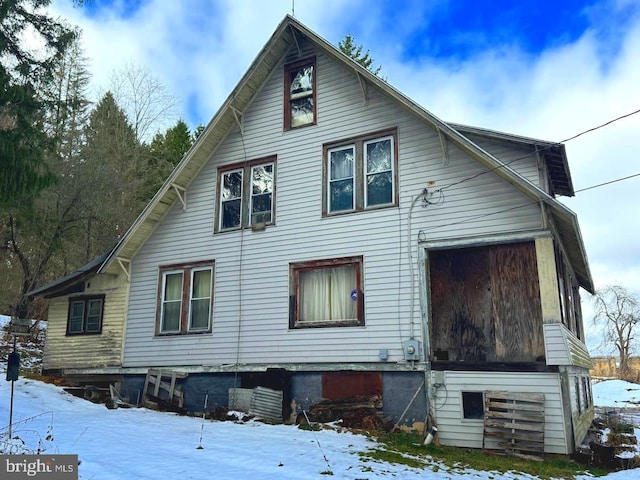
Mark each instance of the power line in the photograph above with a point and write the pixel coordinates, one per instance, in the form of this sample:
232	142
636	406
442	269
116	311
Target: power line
522	205
608	183
603	125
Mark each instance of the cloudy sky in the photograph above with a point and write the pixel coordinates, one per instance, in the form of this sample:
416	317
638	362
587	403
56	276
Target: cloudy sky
528	67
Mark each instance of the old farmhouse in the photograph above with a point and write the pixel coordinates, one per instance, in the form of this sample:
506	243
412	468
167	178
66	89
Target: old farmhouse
328	237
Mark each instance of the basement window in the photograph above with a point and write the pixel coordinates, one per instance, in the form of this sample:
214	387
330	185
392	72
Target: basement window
472	405
185	299
85	315
326	293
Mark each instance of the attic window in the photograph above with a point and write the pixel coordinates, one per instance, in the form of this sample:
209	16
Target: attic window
300	94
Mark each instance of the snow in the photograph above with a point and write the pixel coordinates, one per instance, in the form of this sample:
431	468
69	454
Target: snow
145	444
616	393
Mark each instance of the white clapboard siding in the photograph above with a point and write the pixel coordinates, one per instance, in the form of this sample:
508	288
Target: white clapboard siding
453	429
87	351
251	299
522	159
562	347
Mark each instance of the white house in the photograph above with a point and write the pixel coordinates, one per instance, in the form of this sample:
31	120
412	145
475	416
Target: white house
328	237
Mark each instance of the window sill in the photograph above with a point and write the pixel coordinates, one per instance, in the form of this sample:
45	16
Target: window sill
359	210
329	324
182	334
253	228
76	334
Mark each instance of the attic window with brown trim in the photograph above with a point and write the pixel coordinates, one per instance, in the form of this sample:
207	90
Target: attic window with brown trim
300	94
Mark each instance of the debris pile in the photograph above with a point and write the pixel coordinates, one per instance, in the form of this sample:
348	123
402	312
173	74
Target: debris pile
363	413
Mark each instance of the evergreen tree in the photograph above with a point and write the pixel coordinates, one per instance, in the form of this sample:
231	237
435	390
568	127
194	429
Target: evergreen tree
23	142
165	152
349	48
110	160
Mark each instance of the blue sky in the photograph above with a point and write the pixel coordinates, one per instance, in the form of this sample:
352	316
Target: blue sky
545	69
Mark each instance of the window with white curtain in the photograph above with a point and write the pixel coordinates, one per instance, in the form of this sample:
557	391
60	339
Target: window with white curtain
185	298
360	173
327	293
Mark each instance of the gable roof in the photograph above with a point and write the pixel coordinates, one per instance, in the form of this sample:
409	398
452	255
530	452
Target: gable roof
230	115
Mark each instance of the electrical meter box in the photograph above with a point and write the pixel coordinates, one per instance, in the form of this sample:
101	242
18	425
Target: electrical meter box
411	350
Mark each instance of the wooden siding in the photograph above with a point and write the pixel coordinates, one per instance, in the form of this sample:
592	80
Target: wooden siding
250	315
485	304
580	399
88	351
453	429
562	347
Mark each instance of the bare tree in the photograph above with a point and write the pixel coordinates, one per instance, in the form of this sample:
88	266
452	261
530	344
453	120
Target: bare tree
149	105
617	314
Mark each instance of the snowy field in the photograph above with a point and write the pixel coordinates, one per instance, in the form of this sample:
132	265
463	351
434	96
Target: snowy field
143	444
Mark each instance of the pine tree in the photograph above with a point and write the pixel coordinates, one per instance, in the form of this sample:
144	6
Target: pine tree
110	160
165	152
24	143
349	48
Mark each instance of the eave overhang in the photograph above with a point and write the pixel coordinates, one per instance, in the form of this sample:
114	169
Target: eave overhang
69	283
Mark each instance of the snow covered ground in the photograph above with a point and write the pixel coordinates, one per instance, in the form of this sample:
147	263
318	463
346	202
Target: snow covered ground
143	444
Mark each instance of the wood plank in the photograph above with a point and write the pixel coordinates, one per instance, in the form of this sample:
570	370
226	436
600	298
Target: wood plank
528	417
534	436
533	407
528	397
514	426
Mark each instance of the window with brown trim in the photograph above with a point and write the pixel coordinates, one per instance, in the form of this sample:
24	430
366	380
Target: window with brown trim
185	298
300	94
326	293
360	173
246	195
85	315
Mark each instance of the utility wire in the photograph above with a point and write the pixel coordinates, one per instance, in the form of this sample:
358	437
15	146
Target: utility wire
478	217
600	126
608	183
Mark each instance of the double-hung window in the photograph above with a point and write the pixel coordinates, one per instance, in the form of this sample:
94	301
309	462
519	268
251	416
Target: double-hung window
326	293
300	94
85	315
185	298
360	173
246	195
